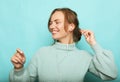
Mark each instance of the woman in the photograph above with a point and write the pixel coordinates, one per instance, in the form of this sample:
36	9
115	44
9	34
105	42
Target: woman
63	61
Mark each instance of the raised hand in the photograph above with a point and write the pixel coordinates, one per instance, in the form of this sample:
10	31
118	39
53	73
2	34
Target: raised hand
89	36
18	59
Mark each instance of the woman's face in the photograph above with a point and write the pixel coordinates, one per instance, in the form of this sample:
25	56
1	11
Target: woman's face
56	26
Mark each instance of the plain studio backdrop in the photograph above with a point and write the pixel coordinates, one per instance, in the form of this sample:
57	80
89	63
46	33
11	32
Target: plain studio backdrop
23	24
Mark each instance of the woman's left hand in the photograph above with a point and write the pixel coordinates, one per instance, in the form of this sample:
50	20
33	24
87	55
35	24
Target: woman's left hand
89	35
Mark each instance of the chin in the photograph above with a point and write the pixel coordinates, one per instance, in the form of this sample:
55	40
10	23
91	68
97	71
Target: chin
55	38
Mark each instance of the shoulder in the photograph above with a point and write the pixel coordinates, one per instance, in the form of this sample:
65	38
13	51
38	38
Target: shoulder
44	49
41	52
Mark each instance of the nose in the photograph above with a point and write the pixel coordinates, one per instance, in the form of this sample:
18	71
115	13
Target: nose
52	25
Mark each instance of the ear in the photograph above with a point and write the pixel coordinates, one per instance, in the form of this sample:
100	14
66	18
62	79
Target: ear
71	27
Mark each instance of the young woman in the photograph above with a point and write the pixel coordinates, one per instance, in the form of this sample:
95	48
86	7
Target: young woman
63	61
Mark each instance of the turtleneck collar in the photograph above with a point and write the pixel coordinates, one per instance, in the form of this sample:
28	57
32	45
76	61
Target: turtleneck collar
62	46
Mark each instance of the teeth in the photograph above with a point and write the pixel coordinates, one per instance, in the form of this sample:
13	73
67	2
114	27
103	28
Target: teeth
54	31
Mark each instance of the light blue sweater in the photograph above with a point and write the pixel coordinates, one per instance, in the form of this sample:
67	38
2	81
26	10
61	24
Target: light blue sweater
66	63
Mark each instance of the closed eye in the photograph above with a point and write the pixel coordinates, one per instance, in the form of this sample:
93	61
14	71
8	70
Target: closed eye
58	22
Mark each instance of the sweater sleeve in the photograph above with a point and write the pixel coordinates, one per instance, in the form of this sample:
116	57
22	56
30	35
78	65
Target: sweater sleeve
28	74
103	64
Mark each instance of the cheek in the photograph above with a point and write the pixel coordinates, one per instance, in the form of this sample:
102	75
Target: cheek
63	32
61	28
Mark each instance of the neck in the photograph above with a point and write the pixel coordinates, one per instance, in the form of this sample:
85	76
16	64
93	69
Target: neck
67	40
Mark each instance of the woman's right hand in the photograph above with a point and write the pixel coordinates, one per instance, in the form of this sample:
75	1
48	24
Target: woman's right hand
18	59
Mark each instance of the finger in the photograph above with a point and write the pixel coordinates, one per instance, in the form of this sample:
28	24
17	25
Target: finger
91	34
19	56
88	32
14	60
85	34
23	60
18	60
82	31
20	52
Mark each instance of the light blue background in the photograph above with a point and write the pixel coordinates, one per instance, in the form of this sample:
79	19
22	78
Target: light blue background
23	24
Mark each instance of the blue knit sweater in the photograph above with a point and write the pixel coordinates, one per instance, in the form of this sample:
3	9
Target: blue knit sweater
66	63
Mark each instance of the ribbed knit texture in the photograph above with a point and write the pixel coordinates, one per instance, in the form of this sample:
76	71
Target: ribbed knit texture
66	63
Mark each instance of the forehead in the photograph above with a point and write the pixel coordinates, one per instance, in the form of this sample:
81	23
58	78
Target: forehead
57	15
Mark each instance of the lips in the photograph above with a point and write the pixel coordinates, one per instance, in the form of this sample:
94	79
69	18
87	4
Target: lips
54	31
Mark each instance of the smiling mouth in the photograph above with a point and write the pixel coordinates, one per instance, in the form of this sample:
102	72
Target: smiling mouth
54	31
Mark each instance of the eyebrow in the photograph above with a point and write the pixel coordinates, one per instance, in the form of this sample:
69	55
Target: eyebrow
55	20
